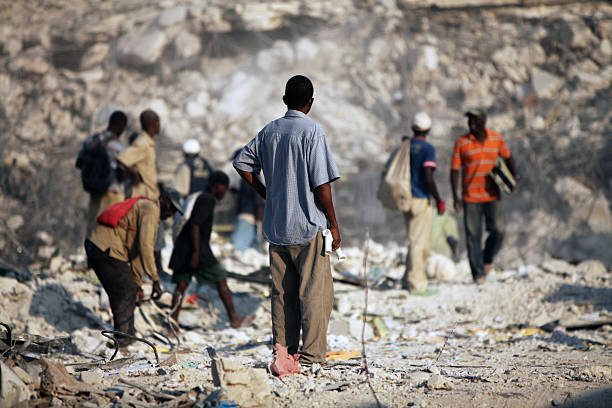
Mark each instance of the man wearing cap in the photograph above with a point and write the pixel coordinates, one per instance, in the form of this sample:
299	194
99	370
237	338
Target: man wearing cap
475	154
193	257
419	218
119	254
192	175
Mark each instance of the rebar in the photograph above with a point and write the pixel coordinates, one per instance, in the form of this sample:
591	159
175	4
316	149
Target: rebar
107	334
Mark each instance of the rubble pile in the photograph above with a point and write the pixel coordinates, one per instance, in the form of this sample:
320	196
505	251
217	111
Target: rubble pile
538	330
431	350
211	70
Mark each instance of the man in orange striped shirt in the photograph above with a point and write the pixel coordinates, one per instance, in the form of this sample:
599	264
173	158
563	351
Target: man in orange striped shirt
475	154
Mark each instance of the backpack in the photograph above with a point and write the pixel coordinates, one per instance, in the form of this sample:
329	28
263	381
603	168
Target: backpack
95	166
180	220
395	191
112	215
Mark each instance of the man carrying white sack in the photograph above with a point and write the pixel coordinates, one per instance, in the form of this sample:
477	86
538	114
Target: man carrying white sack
299	168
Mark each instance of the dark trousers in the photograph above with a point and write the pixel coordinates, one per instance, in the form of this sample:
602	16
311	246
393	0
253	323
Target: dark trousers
473	214
118	282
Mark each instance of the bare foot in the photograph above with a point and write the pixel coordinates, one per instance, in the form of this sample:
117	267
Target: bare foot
241	321
488	268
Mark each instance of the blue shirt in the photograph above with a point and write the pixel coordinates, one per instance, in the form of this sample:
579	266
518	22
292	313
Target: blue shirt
422	154
295	158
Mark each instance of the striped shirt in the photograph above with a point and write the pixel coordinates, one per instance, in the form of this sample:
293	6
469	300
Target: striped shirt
476	161
295	158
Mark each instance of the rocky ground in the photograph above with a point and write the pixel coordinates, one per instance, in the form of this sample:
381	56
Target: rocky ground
537	336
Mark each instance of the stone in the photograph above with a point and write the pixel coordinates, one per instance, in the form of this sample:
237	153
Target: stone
417	378
505	56
14	222
44	237
92	376
95	55
574	32
22	374
276	58
187	45
30	62
141	48
13	47
593	269
545	84
559	266
172	16
248	387
439	382
586	206
45	251
12	388
593	373
55	264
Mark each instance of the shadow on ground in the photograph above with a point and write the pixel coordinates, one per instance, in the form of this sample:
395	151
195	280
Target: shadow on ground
601	398
56	305
600	298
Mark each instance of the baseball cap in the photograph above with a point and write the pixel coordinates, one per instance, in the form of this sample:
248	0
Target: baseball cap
421	121
191	146
174	197
476	112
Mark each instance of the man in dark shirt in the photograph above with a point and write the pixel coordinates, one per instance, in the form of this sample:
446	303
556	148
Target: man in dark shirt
192	255
419	218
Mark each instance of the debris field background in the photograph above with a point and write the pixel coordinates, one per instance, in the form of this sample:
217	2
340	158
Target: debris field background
537	333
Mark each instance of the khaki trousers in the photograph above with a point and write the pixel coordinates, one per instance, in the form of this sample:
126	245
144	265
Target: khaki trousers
97	204
302	298
418	223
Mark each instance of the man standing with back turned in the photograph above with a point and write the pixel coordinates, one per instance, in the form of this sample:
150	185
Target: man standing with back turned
476	154
298	168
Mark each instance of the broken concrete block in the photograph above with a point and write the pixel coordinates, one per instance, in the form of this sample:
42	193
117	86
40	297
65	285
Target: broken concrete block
438	382
249	387
91	376
12	389
22	374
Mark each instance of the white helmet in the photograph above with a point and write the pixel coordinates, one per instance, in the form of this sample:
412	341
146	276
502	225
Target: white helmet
191	146
421	121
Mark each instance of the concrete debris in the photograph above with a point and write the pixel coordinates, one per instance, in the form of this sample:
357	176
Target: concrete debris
215	73
248	387
593	373
12	388
439	382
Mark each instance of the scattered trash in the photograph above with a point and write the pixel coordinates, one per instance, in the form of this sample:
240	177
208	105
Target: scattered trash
342	355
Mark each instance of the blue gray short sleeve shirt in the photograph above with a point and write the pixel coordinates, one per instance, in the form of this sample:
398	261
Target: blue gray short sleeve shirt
295	158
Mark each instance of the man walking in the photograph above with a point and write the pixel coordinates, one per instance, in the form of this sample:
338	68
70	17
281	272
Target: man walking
192	255
192	175
120	253
299	168
140	156
113	189
419	218
476	154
